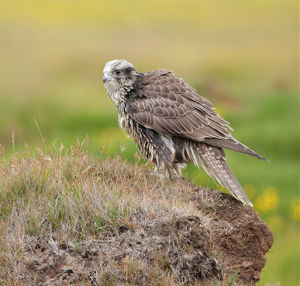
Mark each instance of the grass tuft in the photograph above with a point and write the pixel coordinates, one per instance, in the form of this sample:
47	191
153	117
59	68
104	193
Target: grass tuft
67	215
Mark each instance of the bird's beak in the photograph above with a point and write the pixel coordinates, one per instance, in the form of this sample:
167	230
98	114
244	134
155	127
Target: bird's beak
107	77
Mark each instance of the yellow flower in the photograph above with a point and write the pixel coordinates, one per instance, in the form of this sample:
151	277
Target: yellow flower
268	201
296	209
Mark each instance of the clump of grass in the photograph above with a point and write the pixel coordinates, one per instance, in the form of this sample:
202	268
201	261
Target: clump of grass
68	192
67	215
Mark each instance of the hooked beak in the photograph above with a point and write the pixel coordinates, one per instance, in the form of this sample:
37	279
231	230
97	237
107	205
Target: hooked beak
107	77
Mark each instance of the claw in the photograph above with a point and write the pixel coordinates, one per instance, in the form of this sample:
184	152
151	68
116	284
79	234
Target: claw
159	175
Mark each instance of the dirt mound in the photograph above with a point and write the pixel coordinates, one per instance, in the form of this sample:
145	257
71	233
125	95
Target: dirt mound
70	218
229	238
241	236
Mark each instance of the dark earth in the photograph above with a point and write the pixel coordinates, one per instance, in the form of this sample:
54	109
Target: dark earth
230	240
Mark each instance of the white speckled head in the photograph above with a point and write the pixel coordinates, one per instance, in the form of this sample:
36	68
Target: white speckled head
119	77
113	65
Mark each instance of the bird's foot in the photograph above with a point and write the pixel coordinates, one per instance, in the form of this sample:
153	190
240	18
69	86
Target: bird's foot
158	174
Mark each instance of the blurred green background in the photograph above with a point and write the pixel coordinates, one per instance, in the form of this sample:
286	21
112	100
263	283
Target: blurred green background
243	56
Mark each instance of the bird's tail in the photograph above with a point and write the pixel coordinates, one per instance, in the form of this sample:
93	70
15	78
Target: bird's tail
233	144
213	160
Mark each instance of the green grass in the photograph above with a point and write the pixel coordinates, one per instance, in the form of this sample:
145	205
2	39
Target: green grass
65	208
242	56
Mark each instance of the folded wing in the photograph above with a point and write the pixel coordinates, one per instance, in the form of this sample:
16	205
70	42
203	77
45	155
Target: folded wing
168	105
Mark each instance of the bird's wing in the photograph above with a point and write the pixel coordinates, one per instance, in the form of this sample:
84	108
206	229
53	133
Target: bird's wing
168	105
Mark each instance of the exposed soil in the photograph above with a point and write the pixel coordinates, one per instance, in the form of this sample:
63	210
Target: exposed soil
228	238
242	238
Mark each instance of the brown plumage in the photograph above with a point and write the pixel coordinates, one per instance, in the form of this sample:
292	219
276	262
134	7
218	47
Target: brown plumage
172	124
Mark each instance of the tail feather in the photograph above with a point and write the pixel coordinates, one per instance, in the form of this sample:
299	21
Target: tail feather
214	162
233	144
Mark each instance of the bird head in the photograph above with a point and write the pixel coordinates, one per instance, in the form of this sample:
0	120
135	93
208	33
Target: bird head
119	74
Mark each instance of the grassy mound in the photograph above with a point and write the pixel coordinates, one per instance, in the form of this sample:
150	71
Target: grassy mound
68	217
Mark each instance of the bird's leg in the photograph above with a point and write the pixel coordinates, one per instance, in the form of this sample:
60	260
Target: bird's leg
177	169
159	175
157	172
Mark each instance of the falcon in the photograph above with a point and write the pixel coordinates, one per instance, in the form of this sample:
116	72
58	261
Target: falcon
172	124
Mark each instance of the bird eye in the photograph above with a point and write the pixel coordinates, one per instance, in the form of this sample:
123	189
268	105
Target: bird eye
117	71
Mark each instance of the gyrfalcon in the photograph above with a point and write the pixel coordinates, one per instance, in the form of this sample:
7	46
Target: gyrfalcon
172	124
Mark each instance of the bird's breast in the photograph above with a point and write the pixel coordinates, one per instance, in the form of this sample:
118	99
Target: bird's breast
125	121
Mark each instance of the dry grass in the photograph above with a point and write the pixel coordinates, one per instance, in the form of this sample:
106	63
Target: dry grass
69	217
